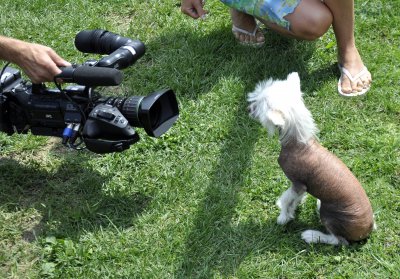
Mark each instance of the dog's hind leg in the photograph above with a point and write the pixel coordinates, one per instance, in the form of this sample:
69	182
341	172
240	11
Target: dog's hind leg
311	236
289	201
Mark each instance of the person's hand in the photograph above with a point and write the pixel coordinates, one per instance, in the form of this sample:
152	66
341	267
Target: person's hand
193	8
40	63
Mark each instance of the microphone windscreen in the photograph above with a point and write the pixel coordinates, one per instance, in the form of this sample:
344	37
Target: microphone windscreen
97	76
87	41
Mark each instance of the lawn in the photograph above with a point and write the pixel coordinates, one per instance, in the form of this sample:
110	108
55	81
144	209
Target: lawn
199	202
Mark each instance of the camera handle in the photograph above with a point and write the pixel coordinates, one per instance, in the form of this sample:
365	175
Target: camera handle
107	130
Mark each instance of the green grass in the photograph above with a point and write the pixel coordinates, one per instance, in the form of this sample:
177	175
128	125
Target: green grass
200	201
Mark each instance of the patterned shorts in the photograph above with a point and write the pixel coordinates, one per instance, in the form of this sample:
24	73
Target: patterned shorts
269	10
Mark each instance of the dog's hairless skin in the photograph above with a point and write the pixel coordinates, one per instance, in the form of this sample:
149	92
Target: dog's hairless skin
345	209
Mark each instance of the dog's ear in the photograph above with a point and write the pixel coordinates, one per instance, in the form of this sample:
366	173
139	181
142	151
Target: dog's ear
276	117
294	79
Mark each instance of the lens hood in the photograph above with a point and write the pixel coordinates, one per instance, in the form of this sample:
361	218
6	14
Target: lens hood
158	112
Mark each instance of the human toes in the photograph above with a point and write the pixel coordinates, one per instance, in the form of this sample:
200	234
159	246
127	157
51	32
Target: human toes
366	80
259	36
363	82
357	86
346	85
240	37
245	38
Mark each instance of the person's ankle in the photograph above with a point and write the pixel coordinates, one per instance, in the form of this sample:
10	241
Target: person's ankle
243	20
349	56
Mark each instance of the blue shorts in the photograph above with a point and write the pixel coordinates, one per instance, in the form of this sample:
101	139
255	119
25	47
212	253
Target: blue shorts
269	10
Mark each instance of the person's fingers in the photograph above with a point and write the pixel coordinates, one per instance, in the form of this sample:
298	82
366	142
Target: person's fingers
193	9
190	12
50	68
38	76
43	70
58	60
36	72
198	6
52	63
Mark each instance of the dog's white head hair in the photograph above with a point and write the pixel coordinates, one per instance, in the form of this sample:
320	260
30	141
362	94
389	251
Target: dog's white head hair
279	104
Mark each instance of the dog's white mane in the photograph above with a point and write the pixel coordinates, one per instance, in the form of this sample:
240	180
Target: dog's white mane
299	126
279	104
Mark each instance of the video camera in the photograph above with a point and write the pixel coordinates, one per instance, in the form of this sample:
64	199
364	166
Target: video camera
104	124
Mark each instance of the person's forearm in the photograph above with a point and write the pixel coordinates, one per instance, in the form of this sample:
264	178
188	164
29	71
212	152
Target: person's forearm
10	48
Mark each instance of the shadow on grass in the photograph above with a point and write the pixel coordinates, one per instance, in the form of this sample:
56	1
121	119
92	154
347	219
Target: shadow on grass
191	63
70	201
215	245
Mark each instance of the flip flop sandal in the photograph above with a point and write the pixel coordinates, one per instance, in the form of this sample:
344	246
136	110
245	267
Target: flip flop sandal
252	34
344	71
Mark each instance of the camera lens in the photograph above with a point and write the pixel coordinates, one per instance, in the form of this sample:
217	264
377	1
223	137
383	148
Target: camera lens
155	113
130	109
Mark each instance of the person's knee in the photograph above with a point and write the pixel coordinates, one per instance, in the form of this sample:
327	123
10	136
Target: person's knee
313	27
319	24
310	23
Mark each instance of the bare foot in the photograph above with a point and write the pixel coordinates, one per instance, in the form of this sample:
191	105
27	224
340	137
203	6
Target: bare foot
247	23
350	59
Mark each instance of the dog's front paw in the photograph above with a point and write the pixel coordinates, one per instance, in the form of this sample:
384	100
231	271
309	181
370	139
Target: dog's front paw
310	236
284	218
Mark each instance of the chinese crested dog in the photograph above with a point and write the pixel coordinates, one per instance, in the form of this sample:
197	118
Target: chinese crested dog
344	208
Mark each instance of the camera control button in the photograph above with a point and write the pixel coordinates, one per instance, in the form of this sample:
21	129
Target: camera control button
105	115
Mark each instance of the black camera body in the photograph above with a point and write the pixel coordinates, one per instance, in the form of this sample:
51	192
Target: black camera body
104	124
